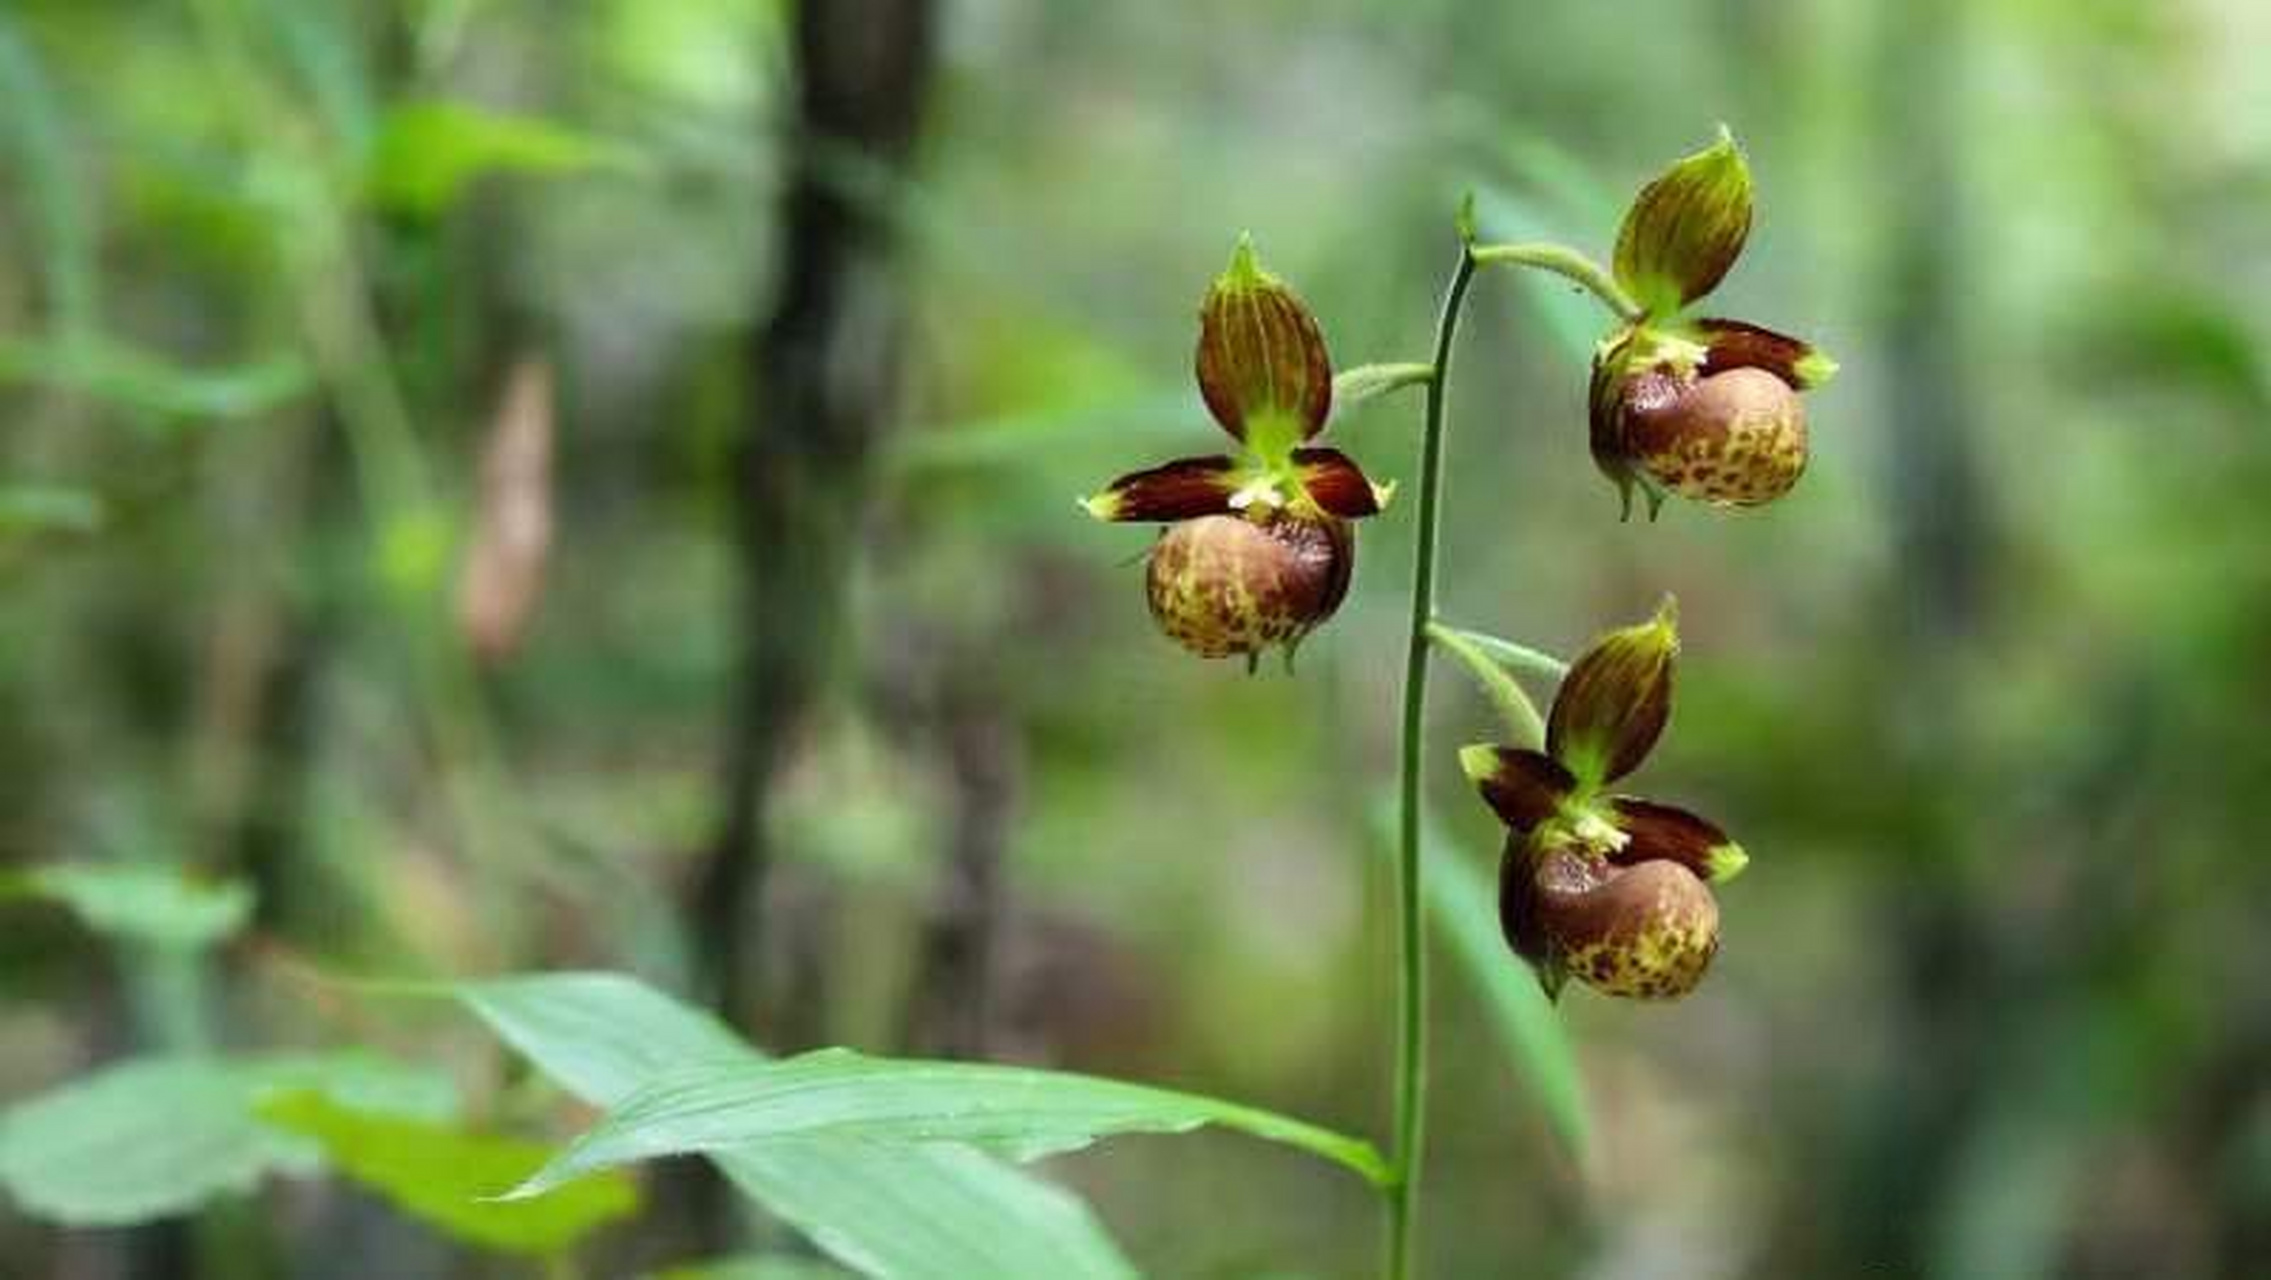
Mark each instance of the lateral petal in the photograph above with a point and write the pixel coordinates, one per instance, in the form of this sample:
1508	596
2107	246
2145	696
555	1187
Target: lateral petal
1181	490
1524	788
1337	485
1662	832
1738	344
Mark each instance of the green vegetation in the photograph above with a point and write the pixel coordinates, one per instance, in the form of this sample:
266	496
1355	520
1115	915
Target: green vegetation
498	498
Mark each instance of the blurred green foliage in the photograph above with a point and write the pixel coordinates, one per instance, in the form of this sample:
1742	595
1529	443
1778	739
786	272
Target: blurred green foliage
1981	698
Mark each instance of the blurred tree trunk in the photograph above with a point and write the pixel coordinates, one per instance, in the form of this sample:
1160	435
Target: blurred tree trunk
952	1010
1940	509
824	380
938	687
1952	981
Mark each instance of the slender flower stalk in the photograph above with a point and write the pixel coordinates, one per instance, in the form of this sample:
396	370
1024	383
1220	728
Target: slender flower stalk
1411	1021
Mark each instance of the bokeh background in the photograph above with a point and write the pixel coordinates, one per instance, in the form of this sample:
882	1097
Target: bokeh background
525	484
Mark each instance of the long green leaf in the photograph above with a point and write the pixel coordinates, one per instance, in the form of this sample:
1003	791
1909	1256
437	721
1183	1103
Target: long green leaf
1460	900
938	1211
445	1175
161	1136
837	1094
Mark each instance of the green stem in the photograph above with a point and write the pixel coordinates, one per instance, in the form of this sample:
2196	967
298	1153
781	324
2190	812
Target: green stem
1411	1029
1567	263
1527	727
1411	1024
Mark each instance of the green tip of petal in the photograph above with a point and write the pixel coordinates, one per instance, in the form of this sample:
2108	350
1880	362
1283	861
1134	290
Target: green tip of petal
1725	150
1478	761
1725	862
1383	494
1103	506
1668	615
1245	269
1813	370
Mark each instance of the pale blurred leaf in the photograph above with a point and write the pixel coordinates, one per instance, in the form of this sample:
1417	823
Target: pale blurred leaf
157	1137
140	1141
145	903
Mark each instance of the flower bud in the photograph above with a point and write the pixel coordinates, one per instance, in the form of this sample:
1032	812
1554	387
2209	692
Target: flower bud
1686	228
1225	585
1262	364
1644	931
1613	704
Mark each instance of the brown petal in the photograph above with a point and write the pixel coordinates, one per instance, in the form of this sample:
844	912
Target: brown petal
1260	355
1735	344
1615	389
1524	788
1182	490
1518	913
1647	931
1662	832
1614	702
1225	586
1336	484
1736	438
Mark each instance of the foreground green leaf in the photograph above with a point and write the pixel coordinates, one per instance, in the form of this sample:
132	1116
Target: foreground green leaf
839	1094
445	1175
1461	900
938	1211
149	903
161	1136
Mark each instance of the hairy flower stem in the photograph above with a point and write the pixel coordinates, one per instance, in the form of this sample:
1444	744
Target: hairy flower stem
1566	263
1411	1032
